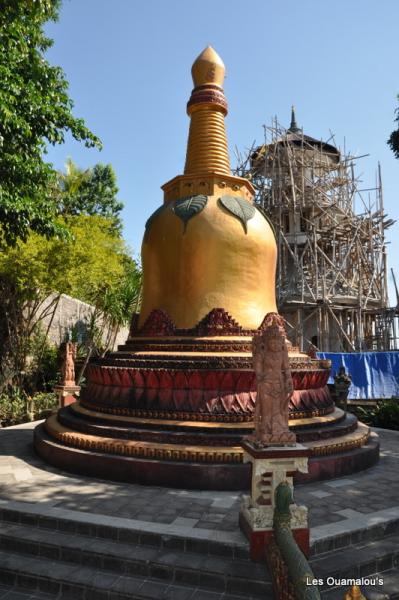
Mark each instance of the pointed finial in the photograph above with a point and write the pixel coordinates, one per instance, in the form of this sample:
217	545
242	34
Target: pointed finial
354	594
207	150
293	127
208	68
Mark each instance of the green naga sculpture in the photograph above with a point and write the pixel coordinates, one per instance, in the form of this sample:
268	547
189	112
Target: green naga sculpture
299	570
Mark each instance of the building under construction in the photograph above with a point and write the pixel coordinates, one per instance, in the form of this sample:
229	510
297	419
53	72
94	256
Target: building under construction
332	262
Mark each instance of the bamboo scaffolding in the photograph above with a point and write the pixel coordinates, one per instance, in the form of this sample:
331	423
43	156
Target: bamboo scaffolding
332	262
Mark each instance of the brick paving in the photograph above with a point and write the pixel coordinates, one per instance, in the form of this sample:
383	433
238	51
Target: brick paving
333	505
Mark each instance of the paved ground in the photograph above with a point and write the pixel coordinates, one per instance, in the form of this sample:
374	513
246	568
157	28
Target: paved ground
335	506
11	594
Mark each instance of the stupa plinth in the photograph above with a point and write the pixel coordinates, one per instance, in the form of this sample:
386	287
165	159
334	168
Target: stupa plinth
172	405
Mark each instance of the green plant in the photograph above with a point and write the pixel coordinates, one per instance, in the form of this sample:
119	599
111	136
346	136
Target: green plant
35	110
44	368
17	407
33	274
385	414
43	403
13	407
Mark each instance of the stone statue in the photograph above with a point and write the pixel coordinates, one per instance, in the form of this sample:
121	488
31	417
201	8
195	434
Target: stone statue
68	365
342	383
274	385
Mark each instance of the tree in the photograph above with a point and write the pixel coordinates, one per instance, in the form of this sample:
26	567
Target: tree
33	274
114	307
35	109
89	192
393	140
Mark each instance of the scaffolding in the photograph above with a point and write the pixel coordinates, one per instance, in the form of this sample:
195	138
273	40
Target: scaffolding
332	260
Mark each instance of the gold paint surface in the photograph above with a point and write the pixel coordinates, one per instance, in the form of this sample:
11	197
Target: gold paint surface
207	149
213	264
208	67
293	423
182	452
333	445
153	450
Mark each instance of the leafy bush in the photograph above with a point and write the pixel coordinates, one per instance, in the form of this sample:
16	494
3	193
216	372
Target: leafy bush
17	407
43	403
44	368
13	407
385	414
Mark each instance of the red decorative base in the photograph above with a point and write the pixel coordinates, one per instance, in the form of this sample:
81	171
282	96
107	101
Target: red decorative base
67	400
260	540
166	389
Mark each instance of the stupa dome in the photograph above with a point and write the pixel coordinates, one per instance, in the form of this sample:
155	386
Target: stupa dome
208	246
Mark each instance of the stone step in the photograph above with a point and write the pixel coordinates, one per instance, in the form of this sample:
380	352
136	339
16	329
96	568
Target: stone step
143	419
220	574
123	530
99	440
163	449
359	560
179	435
375	528
175	360
168	424
343	427
16	593
74	582
78	419
147	470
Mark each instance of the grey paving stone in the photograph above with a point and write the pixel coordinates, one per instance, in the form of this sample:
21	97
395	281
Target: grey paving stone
209	525
127	585
153	589
204	595
174	592
185	522
320	494
377	489
14	595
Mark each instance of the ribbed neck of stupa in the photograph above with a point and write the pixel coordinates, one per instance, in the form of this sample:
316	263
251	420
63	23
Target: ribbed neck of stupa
207	165
207	150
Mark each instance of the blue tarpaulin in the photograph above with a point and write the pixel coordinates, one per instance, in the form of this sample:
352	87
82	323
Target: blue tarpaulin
374	375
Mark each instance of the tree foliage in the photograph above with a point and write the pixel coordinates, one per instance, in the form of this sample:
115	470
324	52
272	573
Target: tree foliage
89	192
393	140
94	266
35	109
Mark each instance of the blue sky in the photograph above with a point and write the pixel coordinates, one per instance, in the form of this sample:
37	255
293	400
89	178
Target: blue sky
128	64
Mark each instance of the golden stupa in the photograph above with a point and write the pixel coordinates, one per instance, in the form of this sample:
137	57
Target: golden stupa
171	405
208	246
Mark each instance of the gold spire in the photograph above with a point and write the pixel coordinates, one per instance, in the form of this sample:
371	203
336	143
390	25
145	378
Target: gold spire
354	594
207	150
208	67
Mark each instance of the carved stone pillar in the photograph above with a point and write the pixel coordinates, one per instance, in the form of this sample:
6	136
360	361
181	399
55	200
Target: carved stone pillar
66	394
271	466
67	391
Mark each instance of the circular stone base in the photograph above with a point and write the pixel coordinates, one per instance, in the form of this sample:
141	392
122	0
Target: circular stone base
190	475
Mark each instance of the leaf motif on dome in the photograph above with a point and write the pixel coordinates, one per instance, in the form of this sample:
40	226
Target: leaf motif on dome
239	207
186	208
